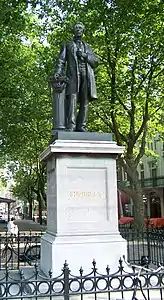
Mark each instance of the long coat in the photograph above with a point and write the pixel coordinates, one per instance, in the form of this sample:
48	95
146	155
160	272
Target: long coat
68	60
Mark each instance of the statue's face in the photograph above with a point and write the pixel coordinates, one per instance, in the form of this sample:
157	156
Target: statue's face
78	30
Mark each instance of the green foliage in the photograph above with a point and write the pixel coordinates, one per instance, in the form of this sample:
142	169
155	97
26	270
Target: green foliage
25	100
128	38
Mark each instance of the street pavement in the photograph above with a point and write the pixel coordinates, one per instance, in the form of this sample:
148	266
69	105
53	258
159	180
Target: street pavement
24	225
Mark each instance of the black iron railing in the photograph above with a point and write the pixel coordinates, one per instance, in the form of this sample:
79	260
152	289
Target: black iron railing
23	249
147	242
119	285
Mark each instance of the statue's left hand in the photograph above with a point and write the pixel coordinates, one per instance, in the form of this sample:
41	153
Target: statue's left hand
81	54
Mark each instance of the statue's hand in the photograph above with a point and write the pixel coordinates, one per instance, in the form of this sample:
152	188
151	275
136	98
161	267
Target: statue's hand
58	82
81	54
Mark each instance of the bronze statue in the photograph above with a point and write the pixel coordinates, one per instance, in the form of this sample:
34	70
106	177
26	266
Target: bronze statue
75	65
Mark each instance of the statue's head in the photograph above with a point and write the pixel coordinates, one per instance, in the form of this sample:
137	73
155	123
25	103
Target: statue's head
78	29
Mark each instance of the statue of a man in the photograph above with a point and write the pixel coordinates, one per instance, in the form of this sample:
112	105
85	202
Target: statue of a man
78	61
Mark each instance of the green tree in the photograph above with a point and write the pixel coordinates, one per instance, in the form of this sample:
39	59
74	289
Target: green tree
128	38
25	101
29	185
133	84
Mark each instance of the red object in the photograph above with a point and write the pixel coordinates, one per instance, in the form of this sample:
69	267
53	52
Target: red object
157	222
122	199
125	220
153	222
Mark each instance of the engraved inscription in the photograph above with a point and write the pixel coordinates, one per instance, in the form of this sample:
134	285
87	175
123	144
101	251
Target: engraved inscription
86	194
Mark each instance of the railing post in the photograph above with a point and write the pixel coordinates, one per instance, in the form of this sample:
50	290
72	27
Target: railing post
6	279
121	269
66	273
18	245
50	284
94	278
148	240
0	251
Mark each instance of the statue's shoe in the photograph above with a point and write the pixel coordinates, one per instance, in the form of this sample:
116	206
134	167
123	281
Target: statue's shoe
82	129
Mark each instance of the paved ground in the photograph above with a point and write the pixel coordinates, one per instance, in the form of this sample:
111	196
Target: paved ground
24	225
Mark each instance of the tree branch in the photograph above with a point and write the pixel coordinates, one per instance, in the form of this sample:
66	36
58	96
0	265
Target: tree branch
3	81
142	147
132	114
119	136
107	47
104	120
145	118
159	73
142	81
123	105
146	114
125	166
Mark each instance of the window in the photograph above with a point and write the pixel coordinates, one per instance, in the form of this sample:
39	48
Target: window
153	172
125	176
142	175
142	167
119	177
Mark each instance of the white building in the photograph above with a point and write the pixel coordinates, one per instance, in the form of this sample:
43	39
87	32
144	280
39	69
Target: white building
151	172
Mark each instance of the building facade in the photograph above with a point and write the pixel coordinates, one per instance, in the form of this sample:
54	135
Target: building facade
151	175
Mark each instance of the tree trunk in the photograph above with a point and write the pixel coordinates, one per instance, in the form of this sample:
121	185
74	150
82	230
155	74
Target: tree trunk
40	204
30	202
25	210
137	198
30	209
134	191
138	208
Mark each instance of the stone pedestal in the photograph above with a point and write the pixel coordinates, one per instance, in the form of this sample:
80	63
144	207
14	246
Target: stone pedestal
82	213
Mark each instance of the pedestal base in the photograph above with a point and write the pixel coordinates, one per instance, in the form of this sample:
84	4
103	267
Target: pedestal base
82	212
81	251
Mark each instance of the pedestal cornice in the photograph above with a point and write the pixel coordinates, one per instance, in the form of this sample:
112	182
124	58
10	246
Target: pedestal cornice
81	147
